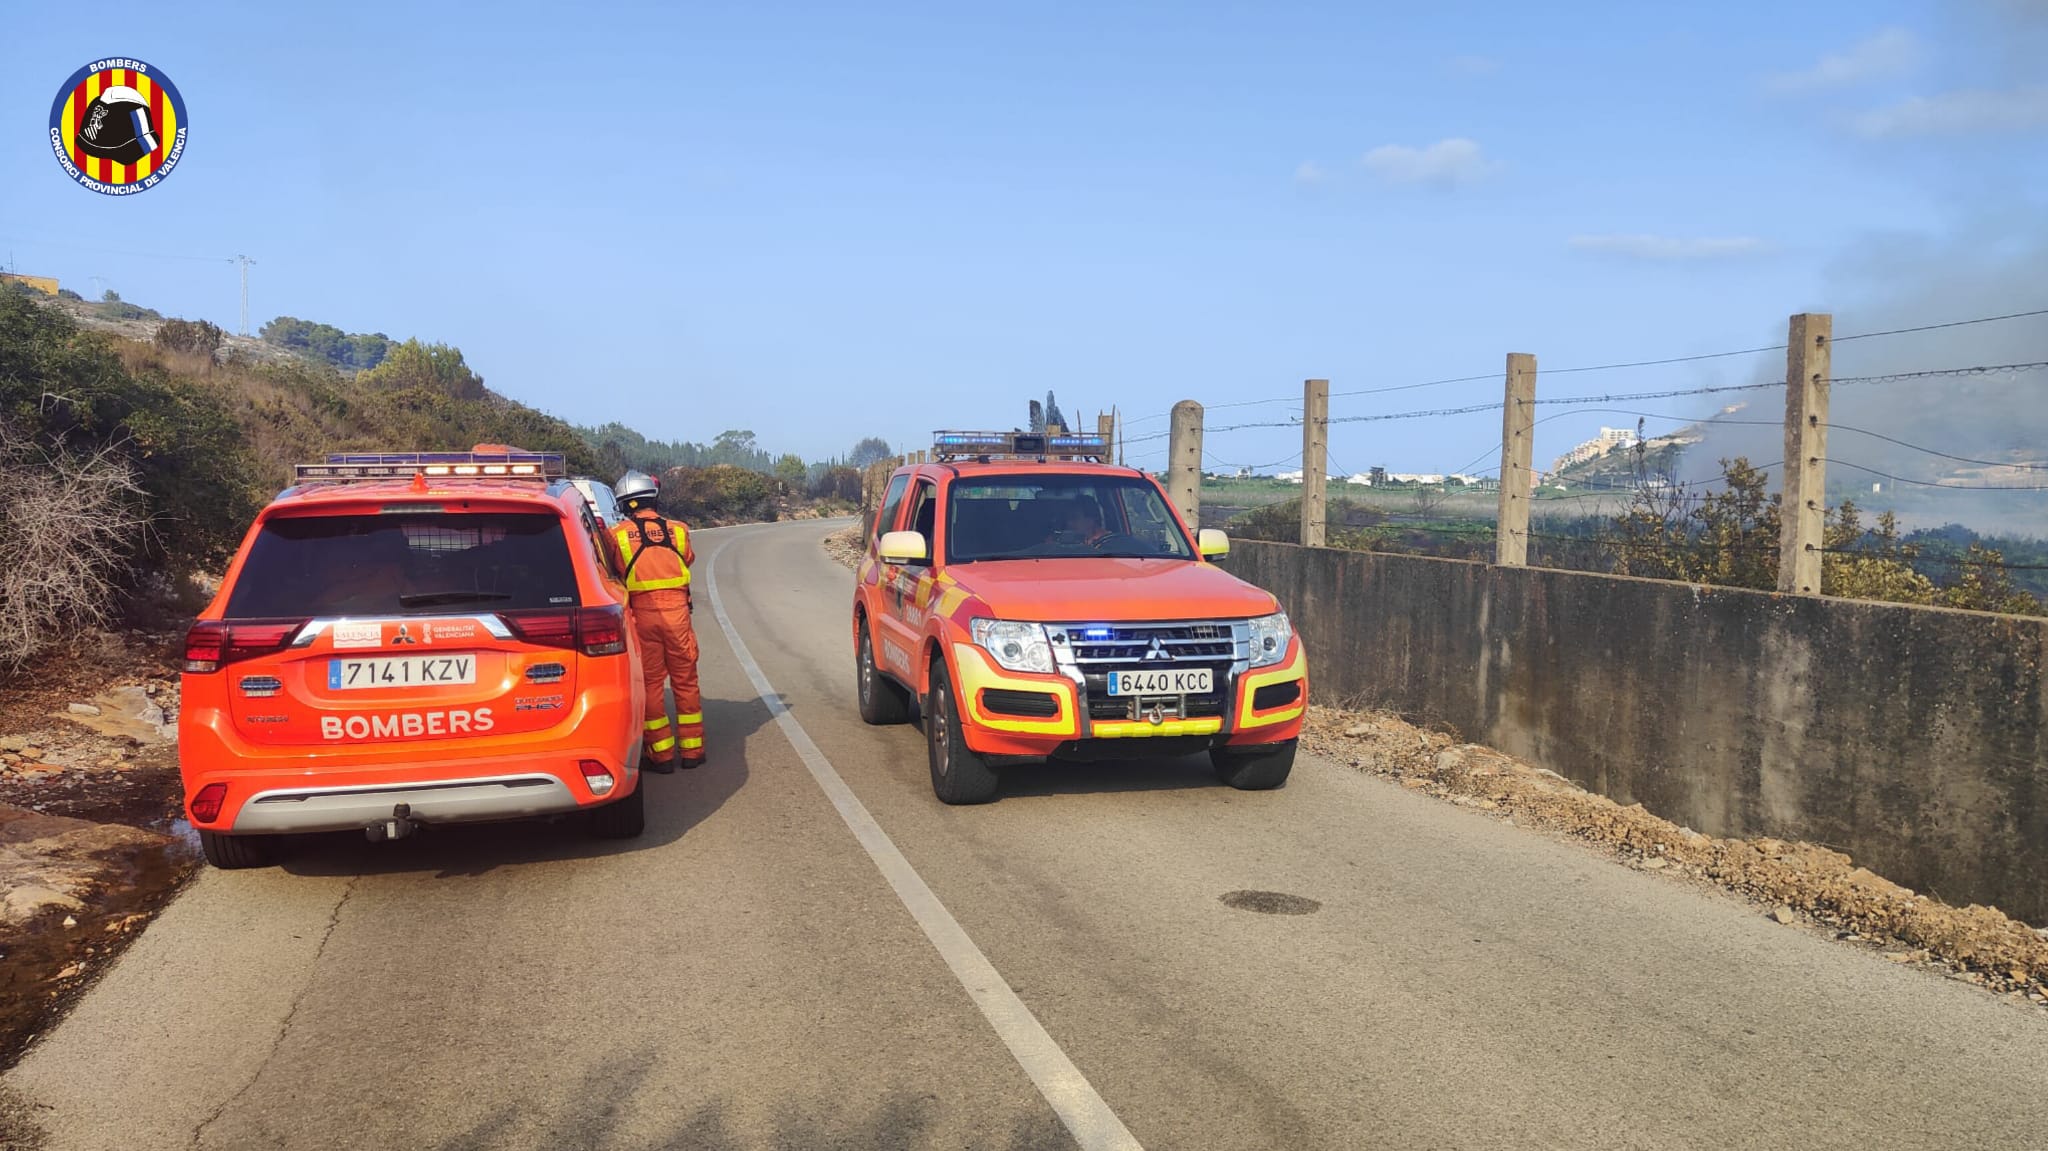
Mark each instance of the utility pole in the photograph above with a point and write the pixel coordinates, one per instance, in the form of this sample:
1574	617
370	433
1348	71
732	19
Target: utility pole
1803	506
1517	448
1184	462
245	262
1315	453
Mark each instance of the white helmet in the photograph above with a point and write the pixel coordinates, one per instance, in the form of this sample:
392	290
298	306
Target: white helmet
637	489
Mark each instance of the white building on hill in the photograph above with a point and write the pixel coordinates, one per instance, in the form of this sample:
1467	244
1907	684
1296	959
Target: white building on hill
1608	440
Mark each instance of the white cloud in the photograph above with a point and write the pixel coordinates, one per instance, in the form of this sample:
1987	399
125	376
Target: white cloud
1474	65
1444	164
1959	113
1888	55
1648	247
1310	172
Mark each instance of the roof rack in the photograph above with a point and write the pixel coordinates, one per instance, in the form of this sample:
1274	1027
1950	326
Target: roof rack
346	467
952	445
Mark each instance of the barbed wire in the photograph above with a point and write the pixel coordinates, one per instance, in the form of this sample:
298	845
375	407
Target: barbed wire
1932	373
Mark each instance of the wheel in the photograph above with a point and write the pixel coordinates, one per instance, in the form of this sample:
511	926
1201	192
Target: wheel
1260	770
621	818
958	775
882	700
234	852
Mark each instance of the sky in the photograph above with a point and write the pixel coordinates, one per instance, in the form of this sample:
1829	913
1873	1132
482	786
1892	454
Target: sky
826	221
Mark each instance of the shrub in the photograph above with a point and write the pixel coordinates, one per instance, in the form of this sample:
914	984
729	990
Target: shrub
718	494
839	483
192	337
72	529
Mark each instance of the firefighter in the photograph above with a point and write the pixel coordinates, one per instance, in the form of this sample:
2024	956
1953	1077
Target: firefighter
655	555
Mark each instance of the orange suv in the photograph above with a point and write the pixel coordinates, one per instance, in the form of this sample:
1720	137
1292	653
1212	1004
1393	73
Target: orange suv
412	639
1037	603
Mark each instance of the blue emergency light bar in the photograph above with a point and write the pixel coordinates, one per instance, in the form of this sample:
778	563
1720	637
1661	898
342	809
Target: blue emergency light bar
947	445
342	467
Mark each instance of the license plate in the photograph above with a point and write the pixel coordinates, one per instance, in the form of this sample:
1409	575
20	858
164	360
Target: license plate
400	671
1181	681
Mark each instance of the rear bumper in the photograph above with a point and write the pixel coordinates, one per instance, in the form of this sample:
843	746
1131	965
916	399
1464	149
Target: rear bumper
273	790
1070	732
305	809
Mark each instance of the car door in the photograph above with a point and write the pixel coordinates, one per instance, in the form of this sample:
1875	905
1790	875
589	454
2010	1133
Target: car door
876	581
907	587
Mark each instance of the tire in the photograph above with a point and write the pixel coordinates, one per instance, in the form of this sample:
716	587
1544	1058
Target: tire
1261	770
958	775
622	818
882	700
235	852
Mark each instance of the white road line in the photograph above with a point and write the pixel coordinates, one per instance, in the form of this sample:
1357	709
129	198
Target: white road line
1094	1126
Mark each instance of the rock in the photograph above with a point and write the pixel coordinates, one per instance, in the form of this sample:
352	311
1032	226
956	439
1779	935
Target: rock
71	972
1655	864
1785	915
84	709
24	902
1414	784
70	921
1362	729
13	742
1450	760
31	752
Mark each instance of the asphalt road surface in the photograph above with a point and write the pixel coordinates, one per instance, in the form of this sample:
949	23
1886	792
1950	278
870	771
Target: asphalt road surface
807	951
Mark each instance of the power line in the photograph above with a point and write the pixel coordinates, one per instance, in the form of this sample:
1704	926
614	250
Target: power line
1931	373
1937	484
1937	327
1932	451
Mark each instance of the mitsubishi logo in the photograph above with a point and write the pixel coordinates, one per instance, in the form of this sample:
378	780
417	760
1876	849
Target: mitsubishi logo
1157	652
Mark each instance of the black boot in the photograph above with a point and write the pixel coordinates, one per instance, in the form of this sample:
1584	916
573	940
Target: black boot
658	766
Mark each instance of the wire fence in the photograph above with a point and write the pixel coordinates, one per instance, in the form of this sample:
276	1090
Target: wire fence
1930	454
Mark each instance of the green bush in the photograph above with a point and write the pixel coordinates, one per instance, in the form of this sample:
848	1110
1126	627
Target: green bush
718	494
67	390
192	337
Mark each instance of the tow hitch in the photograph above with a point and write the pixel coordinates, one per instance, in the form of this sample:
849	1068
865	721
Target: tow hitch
398	826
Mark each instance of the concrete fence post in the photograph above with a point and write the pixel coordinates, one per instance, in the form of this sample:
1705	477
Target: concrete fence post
1184	462
1315	454
1517	449
1803	506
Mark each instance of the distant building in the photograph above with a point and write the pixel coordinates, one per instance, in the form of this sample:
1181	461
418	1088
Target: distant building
47	285
1608	440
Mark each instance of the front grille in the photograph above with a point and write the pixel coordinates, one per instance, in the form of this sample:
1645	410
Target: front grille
1122	643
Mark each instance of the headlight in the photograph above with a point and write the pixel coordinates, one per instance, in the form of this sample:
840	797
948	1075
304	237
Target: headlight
1017	646
1270	634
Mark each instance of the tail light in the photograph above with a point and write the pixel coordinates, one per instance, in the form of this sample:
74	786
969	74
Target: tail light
543	628
597	775
213	644
591	630
207	803
604	630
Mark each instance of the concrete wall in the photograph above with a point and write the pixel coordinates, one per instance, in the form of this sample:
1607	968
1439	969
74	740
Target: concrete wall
1915	739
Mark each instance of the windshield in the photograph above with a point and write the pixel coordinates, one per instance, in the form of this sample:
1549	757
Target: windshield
1028	516
602	500
397	564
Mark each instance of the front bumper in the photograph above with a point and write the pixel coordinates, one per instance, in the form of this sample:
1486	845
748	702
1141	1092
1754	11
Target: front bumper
1241	723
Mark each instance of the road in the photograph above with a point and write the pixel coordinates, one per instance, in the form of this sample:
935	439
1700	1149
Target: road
754	973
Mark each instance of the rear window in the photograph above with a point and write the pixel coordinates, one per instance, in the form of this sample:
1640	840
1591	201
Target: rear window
415	564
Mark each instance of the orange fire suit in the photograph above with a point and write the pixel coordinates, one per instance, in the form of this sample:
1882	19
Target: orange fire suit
655	554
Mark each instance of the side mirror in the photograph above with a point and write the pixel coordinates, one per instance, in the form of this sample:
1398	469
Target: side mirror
904	548
1212	543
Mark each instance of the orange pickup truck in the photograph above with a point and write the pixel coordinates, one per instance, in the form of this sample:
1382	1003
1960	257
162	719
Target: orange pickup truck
1036	602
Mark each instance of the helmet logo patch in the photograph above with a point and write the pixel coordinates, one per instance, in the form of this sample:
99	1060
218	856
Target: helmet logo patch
118	127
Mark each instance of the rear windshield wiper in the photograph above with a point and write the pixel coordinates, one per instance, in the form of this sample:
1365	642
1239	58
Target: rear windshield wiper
429	598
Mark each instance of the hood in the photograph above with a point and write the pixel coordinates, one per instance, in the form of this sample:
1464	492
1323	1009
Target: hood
1074	590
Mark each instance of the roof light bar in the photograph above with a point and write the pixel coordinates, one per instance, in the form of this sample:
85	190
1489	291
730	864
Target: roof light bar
950	445
345	467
